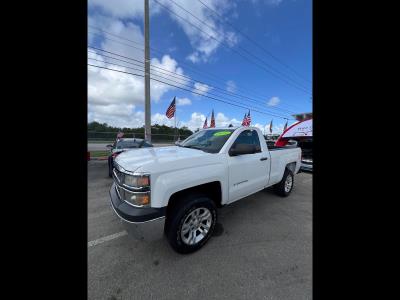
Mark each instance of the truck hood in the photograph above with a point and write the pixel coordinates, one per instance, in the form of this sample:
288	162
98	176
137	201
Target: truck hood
164	159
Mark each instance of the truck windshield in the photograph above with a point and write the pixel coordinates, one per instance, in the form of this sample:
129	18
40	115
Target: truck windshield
210	141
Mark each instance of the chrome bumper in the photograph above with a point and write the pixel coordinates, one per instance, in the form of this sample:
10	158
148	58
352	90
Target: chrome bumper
141	223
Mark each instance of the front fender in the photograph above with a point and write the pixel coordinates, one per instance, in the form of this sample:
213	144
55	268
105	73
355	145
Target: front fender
166	184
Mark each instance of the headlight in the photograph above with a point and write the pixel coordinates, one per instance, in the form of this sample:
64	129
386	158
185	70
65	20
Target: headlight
137	180
135	198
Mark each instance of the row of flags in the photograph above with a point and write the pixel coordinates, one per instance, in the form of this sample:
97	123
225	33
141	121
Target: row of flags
246	119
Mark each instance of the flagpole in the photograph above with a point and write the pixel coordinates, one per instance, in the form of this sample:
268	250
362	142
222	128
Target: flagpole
175	124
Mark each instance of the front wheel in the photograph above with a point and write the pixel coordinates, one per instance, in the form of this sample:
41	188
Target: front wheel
191	224
285	186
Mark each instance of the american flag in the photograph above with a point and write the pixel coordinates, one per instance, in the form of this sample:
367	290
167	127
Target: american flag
205	124
244	122
246	119
171	109
212	122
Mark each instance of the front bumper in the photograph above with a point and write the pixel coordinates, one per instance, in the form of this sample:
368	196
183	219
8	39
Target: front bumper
143	223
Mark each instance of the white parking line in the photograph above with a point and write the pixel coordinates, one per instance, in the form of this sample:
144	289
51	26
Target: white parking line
107	238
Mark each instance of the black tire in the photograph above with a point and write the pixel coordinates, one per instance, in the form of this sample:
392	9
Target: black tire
110	167
279	188
183	208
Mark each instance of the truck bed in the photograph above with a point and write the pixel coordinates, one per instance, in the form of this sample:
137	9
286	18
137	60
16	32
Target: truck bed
274	148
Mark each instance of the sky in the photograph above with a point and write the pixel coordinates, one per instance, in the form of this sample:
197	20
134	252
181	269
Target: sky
271	77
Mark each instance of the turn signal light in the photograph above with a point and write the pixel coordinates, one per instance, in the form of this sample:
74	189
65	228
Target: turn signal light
140	199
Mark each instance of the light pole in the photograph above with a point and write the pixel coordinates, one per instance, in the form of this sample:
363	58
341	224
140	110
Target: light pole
147	111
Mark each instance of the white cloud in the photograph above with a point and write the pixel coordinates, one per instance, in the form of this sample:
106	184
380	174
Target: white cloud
203	45
201	88
120	8
162	69
194	57
183	101
205	40
231	86
110	42
113	96
197	120
273	101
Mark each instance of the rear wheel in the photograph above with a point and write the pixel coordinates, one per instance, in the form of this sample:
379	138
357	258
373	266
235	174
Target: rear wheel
285	186
191	223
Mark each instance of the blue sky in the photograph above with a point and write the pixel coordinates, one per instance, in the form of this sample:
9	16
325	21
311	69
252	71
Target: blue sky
282	27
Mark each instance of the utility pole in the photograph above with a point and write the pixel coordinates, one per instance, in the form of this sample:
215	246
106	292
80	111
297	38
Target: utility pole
147	111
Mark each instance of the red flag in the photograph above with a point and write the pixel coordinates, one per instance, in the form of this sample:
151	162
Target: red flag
205	124
212	123
171	109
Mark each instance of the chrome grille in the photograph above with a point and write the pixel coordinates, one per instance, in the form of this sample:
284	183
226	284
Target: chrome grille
119	176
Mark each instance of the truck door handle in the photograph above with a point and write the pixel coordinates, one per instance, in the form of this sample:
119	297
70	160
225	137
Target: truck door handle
263	158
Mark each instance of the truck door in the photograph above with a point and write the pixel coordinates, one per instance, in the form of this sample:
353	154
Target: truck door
248	173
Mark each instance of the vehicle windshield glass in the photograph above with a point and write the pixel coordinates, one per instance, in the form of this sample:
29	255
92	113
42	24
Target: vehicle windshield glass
210	141
128	144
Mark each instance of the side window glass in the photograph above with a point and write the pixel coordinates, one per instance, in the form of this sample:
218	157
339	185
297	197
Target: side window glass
256	141
249	137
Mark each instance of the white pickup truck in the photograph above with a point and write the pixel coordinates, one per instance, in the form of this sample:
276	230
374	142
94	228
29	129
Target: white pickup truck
176	190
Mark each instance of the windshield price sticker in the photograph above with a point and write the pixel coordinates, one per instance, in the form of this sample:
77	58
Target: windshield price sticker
222	133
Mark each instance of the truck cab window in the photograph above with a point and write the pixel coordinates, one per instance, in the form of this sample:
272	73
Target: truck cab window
249	137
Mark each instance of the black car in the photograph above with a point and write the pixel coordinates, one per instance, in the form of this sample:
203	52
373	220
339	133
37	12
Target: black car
122	145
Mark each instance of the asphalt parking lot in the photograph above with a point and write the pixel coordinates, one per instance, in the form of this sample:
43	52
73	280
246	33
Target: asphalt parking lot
262	250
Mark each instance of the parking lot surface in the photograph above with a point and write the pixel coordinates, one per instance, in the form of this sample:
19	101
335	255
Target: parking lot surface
262	249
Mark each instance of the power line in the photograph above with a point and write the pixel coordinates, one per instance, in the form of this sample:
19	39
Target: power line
243	49
253	41
141	49
234	50
180	83
200	94
212	77
195	80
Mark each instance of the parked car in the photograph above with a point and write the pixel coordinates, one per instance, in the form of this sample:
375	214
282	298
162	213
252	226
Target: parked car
176	189
122	145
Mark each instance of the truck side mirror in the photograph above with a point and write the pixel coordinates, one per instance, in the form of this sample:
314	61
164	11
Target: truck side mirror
240	149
